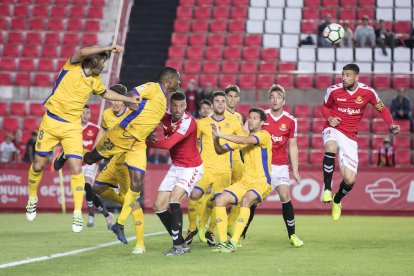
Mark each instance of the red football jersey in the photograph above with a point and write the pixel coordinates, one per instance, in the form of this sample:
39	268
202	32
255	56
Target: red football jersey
281	129
349	106
89	133
180	140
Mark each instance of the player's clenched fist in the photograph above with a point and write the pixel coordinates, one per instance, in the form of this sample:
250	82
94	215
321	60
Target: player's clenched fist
116	49
334	121
134	100
395	128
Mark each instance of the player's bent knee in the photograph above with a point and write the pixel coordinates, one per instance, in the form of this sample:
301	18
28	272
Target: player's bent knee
195	195
331	146
98	189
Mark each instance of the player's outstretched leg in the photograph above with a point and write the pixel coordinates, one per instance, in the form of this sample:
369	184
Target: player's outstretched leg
138	219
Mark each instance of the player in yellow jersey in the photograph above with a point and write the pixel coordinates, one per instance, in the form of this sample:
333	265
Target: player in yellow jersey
78	78
255	184
217	169
129	137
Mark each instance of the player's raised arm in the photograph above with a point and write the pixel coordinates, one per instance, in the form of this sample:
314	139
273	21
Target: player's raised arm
133	100
87	51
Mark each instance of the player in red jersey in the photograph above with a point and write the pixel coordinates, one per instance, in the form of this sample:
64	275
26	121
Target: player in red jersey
89	133
343	109
180	130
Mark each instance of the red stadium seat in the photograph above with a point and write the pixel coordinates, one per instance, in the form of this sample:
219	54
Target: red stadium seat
89	39
42	80
367	3
368	113
247	81
381	82
192	66
207	3
4	23
253	40
34	38
312	3
30	50
243	109
8	64
36	109
52	38
303	111
316	141
74	25
248	67
401	81
49	51
18	108
46	65
15	38
318	125
175	52
77	12
184	13
234	40
232	53
218	26
366	12
285	80
241	3
18	24
208	78
197	39
11	50
202	13
195	53
216	40
309	26
404	125
379	126
287	66
403	158
37	24
303	157
226	79
181	26
199	26
365	79
40	11
348	3
214	53
323	81
304	82
5	79
402	142
310	14
221	12
212	67
238	13
316	156
179	39
265	81
230	67
330	3
60	63
56	25
225	3
26	65
21	11
332	11
177	64
267	67
185	78
363	141
67	51
92	26
30	123
96	13
364	126
402	27
303	141
22	79
363	158
5	10
3	109
10	123
70	39
270	54
251	53
237	26
317	112
304	125
347	14
187	3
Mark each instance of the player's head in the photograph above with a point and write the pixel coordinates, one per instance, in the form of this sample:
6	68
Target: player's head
219	102
178	105
118	106
86	115
257	117
205	108
277	97
96	62
170	79
350	74
233	95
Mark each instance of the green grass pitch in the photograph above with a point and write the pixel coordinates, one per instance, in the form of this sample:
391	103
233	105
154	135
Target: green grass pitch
355	245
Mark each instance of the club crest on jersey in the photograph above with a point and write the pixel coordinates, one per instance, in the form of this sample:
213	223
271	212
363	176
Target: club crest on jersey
90	132
174	127
359	100
282	127
91	83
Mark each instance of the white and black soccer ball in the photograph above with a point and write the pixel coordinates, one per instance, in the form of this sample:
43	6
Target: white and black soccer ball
333	33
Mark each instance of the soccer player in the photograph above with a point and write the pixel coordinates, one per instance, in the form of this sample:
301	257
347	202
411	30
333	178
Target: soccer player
78	78
89	134
205	108
343	109
255	184
217	168
129	137
180	130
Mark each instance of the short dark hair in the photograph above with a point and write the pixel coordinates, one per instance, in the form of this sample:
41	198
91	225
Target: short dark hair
204	101
352	67
232	87
94	57
167	72
119	88
260	112
177	96
218	93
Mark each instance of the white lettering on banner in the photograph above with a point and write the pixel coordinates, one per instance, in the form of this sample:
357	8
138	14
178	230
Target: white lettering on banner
383	190
313	193
54	191
13	190
10	178
410	196
350	111
66	179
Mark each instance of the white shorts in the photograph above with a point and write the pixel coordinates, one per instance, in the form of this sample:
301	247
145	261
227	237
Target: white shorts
347	148
89	171
185	178
280	175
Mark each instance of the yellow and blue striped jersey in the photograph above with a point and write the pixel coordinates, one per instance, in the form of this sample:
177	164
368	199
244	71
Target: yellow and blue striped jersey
239	118
71	92
109	119
142	122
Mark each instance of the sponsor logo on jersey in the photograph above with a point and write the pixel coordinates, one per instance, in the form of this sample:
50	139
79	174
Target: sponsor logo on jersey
349	111
282	127
174	127
87	143
359	100
277	138
90	132
341	100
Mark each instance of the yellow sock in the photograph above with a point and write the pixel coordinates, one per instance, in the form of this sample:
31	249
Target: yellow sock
77	182
130	199
110	194
234	213
34	180
138	219
221	222
202	204
206	215
192	214
212	224
240	223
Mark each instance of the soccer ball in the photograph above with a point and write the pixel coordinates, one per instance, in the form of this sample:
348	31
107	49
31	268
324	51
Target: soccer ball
333	33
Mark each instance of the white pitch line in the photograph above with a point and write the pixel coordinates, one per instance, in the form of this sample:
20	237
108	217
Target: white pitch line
58	255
